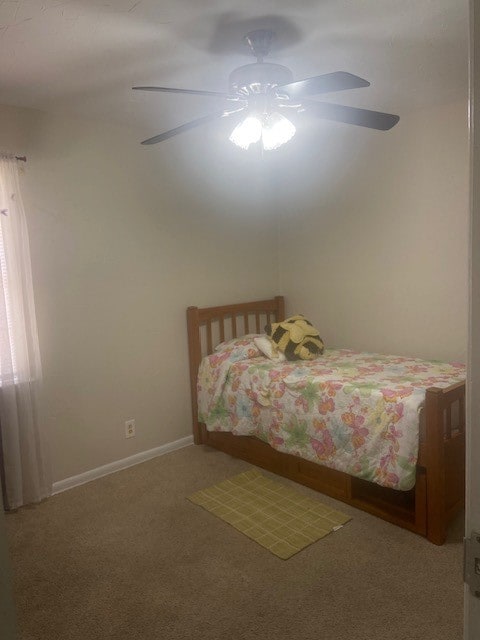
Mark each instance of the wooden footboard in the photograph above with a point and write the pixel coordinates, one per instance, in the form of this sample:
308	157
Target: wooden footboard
439	489
442	455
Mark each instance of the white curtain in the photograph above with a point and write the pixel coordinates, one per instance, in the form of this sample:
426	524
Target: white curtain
26	473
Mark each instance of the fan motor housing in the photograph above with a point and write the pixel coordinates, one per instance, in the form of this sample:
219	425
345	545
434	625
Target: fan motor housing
258	77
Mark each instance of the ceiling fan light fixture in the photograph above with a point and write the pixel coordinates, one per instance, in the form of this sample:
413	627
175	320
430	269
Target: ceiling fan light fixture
262	88
247	132
276	131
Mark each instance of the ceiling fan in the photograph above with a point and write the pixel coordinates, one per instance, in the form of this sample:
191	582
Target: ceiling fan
261	93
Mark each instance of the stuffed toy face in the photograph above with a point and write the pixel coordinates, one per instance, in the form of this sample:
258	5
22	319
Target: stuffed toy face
296	337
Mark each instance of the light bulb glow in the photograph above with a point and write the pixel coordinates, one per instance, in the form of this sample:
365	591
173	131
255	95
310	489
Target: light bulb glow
247	132
273	130
276	131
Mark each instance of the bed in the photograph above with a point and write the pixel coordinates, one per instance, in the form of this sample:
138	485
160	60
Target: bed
438	492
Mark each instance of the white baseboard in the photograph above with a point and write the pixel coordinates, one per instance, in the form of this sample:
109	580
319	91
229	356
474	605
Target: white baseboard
118	465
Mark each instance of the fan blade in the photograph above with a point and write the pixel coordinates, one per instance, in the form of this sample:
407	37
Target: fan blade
329	82
194	92
352	115
190	125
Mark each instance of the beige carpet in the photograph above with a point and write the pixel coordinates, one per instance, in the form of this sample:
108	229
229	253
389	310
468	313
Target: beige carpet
273	514
127	557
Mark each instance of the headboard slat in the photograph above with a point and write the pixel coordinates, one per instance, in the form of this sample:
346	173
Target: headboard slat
209	337
221	321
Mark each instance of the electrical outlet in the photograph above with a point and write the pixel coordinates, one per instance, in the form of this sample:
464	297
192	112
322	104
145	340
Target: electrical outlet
130	428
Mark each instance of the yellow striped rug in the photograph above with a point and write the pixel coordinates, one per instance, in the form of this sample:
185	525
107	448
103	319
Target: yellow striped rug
274	515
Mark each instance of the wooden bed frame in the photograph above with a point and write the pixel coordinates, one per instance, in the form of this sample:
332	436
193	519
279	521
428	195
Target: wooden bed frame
440	486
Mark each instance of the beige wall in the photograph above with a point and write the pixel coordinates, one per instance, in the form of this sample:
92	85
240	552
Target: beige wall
374	235
123	239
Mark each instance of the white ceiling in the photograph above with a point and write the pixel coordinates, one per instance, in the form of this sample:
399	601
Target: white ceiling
83	56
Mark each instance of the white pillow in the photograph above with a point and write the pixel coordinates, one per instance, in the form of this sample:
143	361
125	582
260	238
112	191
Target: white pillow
243	341
266	346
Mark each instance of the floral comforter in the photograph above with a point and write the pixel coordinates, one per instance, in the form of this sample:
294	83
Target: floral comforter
355	412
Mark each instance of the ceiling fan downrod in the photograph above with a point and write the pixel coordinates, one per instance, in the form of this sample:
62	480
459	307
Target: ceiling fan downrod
260	42
258	77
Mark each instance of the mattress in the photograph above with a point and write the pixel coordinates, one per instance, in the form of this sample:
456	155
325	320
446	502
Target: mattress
351	411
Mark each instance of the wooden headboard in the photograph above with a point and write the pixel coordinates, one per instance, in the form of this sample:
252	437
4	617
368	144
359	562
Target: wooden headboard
209	326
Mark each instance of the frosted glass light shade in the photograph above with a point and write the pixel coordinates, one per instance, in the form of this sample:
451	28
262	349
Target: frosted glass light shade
272	129
276	130
247	132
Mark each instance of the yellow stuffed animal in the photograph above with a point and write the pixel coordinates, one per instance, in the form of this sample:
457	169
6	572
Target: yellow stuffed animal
296	337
